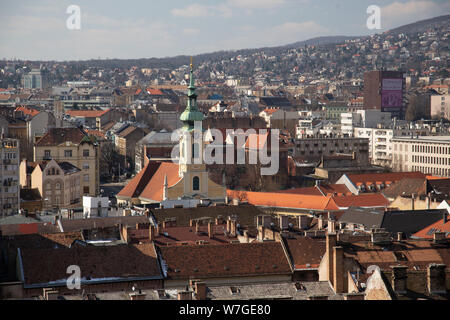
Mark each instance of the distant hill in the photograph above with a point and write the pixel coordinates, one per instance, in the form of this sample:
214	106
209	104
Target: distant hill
423	25
177	61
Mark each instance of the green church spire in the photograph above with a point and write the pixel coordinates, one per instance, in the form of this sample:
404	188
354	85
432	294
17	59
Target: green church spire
191	113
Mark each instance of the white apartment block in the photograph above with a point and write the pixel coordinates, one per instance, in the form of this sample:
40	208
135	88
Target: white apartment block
380	142
430	155
9	177
440	106
365	119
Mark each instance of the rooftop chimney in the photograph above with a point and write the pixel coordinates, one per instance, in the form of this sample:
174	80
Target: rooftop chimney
331	226
184	295
284	222
152	233
261	232
247	240
399	278
303	222
200	290
210	233
399	236
338	269
320	222
331	239
436	278
197	227
439	237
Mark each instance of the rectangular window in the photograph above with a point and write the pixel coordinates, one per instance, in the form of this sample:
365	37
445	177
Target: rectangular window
85	190
86	153
47	154
86	177
85	166
68	153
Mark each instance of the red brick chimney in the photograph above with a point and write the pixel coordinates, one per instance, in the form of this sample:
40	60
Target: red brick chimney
331	240
184	295
247	240
320	222
338	269
152	233
197	227
200	290
210	233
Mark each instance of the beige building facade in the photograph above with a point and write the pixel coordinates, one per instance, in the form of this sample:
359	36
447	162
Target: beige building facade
430	155
59	184
74	146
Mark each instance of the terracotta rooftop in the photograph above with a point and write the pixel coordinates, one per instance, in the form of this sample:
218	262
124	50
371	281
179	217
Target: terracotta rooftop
154	189
135	186
365	200
324	189
285	200
27	111
93	223
439	226
86	113
231	260
43	241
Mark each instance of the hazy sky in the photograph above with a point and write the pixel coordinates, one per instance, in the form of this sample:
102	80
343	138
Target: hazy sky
36	30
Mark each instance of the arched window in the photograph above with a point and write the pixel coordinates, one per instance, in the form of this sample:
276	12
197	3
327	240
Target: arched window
58	186
196	184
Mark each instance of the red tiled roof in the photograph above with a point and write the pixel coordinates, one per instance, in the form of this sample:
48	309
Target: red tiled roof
86	113
439	226
363	200
136	185
27	111
285	200
231	260
96	133
154	92
270	111
154	189
327	189
370	178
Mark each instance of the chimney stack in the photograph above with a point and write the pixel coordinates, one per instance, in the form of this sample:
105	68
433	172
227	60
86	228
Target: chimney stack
210	234
303	222
320	222
399	279
200	290
152	233
228	226
439	237
184	295
338	269
284	222
399	236
331	226
197	227
436	278
247	240
233	231
331	239
261	232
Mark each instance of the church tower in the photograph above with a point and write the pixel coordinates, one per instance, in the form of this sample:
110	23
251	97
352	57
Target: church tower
192	166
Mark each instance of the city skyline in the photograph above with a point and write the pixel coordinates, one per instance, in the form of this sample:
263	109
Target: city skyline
145	30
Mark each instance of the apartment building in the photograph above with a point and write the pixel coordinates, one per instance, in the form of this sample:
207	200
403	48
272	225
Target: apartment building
75	146
380	142
363	118
430	155
58	182
313	148
9	177
440	106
